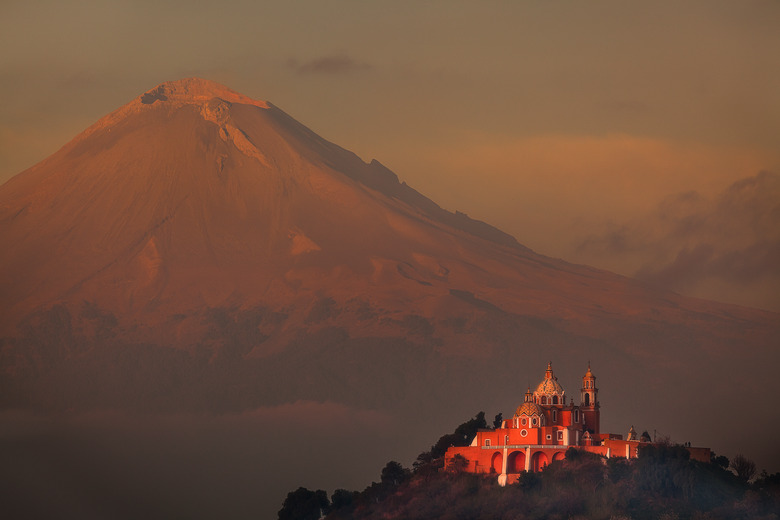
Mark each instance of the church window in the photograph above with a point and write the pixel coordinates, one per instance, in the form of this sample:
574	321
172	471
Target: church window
506	439
549	437
544	399
535	421
576	416
555	399
555	415
487	442
524	421
587	399
523	433
560	435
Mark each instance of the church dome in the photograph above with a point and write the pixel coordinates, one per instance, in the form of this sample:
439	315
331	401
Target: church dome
549	390
549	387
529	409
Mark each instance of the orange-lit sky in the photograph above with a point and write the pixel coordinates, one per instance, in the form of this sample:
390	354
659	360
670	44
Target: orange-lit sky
626	135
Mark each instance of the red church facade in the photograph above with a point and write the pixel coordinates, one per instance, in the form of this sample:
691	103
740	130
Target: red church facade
543	427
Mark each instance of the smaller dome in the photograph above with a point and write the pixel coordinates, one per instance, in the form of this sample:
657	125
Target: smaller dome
589	373
529	409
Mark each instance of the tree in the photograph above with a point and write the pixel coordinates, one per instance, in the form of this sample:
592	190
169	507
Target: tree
394	473
304	504
743	467
719	460
498	420
462	436
341	499
458	464
468	429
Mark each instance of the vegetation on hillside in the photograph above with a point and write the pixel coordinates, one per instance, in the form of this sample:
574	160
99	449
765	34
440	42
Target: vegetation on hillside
663	482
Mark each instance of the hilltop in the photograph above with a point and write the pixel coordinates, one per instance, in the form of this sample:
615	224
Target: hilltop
662	483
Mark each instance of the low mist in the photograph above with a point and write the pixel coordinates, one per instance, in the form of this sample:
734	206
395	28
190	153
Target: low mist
120	465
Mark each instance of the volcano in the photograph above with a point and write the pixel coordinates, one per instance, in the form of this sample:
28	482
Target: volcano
200	250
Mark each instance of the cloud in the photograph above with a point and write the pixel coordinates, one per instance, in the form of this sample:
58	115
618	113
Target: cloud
692	243
333	64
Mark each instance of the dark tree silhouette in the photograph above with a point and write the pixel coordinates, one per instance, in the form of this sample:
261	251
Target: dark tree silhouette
394	474
304	504
743	467
719	460
462	436
341	499
458	464
498	420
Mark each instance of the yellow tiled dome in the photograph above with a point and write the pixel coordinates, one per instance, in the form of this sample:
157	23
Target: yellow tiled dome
549	387
529	409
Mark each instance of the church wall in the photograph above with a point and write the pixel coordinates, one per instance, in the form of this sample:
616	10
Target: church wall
700	454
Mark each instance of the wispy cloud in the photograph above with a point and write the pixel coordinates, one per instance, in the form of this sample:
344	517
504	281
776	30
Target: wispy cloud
690	241
332	64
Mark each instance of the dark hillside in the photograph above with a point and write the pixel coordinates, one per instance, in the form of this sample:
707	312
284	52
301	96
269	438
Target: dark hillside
662	483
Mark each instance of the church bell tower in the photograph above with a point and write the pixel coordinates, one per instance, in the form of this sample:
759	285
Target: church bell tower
589	402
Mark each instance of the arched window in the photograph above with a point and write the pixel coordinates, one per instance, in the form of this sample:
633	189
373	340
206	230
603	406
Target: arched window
555	415
535	421
587	399
576	416
524	421
555	399
544	399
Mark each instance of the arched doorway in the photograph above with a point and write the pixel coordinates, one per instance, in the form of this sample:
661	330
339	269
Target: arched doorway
559	455
539	460
515	463
496	463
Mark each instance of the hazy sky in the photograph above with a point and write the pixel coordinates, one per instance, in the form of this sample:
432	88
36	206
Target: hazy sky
627	135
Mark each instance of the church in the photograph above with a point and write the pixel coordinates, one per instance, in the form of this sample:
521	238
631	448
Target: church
543	427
